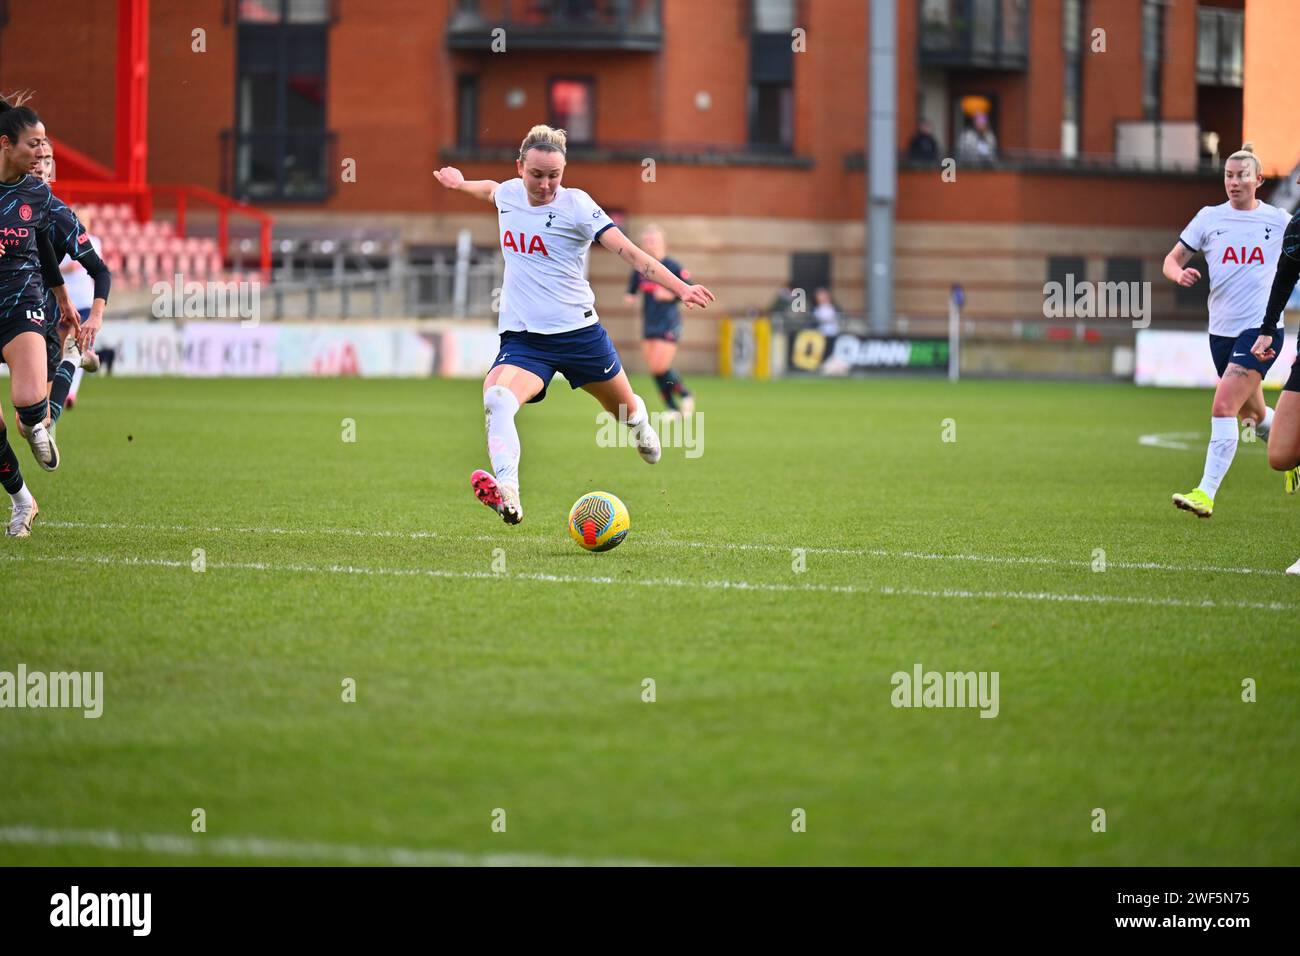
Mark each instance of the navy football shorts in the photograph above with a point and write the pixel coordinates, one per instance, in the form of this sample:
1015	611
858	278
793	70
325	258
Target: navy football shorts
582	356
1227	349
670	331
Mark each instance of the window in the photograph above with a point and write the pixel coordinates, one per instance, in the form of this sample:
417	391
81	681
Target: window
280	143
284	11
467	111
771	76
810	271
1153	53
1123	269
1071	107
572	102
1060	268
771	116
773	16
1219	43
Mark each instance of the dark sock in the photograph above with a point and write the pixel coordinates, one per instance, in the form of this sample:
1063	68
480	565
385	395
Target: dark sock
59	392
11	479
665	384
32	415
679	387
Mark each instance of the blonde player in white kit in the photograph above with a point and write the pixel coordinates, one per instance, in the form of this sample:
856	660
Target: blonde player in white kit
1241	240
548	320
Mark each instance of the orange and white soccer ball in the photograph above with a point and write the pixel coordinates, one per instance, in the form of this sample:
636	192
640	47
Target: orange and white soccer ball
598	521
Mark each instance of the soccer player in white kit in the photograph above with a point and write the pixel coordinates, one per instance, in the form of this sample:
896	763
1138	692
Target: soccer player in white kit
548	321
1241	240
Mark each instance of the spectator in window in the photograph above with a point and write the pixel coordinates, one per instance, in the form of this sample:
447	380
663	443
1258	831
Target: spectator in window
923	147
977	143
825	314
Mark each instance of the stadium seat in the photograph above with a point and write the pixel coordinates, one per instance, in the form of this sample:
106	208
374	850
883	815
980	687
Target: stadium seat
141	253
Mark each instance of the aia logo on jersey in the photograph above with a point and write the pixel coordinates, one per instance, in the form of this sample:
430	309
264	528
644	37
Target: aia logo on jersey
25	212
1231	255
525	244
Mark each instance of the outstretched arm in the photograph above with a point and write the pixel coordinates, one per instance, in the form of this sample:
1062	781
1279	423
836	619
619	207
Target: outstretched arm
451	177
650	267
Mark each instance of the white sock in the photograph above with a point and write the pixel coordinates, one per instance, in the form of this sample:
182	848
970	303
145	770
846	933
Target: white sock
24	497
1262	428
1223	446
76	380
637	419
501	405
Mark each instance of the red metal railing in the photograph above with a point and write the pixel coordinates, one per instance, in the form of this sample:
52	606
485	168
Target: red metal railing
141	199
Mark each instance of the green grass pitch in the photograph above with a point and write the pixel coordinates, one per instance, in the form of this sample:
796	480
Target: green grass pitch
480	689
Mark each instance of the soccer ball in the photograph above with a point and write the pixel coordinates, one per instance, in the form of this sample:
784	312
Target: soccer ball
598	521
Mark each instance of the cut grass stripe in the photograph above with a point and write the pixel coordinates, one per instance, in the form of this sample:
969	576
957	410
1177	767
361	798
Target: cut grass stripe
652	541
715	585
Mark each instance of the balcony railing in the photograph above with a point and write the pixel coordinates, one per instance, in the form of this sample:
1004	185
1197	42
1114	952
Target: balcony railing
1052	161
628	151
278	165
985	34
556	25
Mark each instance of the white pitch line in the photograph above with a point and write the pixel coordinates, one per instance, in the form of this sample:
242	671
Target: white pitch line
1178	441
261	848
192	529
651	541
1175	441
719	585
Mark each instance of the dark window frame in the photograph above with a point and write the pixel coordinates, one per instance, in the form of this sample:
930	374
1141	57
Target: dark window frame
467	82
1058	269
1153	64
281	133
1124	269
751	119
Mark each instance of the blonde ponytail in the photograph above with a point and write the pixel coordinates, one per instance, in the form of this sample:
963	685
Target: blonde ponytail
543	138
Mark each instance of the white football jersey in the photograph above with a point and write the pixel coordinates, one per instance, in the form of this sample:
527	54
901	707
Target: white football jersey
545	248
1241	249
81	287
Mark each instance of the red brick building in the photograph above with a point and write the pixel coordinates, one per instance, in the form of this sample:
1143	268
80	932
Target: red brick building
753	111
